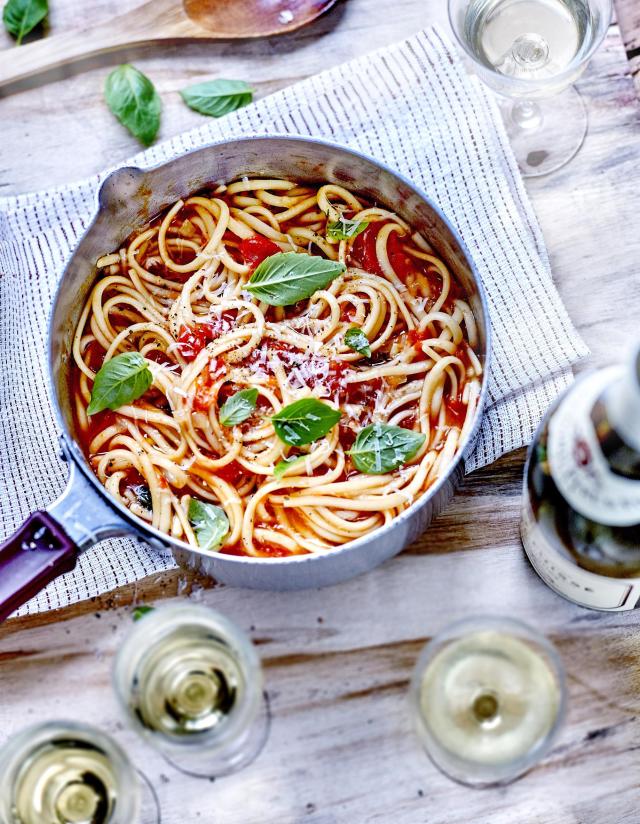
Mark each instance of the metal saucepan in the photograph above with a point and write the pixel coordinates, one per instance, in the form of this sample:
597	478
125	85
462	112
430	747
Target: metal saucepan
48	543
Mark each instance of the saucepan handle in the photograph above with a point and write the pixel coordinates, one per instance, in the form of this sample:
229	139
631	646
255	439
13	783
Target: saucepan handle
31	558
49	542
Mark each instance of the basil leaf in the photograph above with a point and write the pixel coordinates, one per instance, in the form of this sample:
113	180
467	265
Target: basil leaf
282	466
120	381
287	277
209	522
238	407
141	611
217	97
305	421
346	229
22	16
356	339
381	448
132	97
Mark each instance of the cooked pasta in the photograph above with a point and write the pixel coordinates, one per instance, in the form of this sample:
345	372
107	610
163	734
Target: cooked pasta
195	343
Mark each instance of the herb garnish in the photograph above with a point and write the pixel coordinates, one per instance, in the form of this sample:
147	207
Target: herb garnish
287	277
210	523
381	448
304	421
238	407
120	380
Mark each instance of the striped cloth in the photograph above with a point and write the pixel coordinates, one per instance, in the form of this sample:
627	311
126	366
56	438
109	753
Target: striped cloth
411	105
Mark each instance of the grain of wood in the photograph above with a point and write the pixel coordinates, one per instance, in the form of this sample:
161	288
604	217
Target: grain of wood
338	661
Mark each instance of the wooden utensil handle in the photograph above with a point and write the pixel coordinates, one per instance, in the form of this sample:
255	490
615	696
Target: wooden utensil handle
154	21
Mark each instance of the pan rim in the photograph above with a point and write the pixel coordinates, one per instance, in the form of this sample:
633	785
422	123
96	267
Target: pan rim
153	535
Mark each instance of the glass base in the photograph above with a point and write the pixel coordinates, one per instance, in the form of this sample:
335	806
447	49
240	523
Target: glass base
149	804
235	756
545	134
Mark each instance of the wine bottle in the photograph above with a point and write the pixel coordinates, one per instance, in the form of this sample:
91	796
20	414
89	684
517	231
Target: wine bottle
580	522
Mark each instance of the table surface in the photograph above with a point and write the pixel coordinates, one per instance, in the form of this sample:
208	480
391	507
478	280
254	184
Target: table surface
338	661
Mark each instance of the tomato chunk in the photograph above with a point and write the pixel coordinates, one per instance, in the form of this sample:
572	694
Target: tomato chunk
456	412
256	248
191	341
204	396
363	250
232	472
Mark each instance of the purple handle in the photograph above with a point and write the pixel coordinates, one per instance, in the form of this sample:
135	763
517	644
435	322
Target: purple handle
32	557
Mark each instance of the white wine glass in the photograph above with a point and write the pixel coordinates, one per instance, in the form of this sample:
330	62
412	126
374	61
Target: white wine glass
71	773
488	697
190	682
531	52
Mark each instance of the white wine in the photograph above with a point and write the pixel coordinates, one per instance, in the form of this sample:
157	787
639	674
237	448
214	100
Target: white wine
188	685
487	701
528	39
191	683
65	781
66	774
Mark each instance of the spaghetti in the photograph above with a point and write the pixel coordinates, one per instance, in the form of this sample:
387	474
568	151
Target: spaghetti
388	343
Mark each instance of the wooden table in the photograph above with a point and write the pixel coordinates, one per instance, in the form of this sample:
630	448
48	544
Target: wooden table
338	661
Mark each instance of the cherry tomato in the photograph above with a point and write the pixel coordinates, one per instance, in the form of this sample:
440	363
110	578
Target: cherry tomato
231	473
363	250
256	248
191	341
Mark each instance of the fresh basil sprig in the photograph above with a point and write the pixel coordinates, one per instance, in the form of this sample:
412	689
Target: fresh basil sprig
209	522
381	448
356	339
217	97
120	380
238	407
22	16
132	97
344	229
281	467
140	611
287	277
305	421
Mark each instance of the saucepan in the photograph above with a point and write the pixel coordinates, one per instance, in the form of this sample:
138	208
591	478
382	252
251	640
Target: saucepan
50	540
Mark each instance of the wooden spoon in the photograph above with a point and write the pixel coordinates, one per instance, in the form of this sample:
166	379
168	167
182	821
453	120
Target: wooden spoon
161	21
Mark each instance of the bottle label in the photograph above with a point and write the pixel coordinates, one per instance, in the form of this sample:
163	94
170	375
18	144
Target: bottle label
578	585
577	465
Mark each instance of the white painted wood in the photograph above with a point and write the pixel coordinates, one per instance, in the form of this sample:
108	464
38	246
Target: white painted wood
338	661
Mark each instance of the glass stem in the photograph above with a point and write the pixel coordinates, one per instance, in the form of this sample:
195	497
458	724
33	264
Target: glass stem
526	115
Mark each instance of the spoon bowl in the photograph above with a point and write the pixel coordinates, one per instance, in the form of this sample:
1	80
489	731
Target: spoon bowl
160	21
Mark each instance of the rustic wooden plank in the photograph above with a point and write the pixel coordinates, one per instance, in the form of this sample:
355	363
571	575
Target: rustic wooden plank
341	746
338	661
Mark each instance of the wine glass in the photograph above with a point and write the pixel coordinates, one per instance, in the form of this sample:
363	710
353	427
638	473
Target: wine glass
72	773
531	51
190	682
488	697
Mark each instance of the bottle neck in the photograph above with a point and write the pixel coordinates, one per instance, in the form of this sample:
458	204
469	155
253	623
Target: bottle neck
616	417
